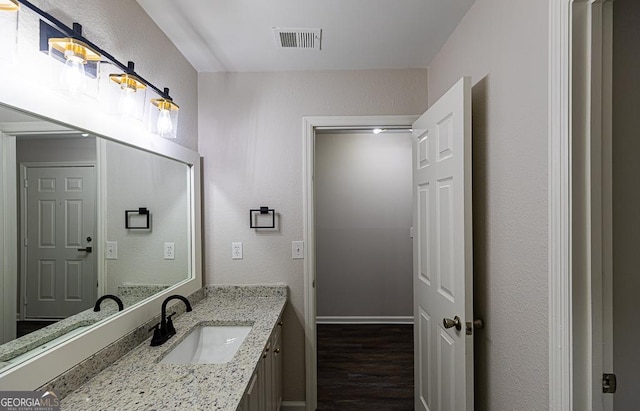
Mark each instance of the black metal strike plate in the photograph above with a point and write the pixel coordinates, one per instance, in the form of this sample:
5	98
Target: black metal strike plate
609	383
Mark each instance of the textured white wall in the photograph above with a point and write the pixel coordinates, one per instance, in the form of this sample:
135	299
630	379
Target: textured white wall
626	202
124	30
503	46
136	179
251	139
363	210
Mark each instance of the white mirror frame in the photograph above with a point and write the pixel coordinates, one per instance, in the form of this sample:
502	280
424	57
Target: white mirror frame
31	98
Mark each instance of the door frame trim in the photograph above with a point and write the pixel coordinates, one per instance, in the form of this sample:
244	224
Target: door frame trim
309	125
579	154
8	230
560	352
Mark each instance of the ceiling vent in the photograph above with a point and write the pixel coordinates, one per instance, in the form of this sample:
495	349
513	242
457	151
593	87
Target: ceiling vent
297	38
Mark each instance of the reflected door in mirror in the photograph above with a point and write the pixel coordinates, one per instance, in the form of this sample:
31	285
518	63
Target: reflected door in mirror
60	219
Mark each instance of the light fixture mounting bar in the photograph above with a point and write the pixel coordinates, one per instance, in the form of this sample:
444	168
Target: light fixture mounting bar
76	33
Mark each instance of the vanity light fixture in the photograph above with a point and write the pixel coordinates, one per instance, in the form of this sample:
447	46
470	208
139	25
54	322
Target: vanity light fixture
130	91
76	55
8	29
163	116
77	52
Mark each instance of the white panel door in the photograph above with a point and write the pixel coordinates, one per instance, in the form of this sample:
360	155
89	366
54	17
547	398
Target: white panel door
443	276
60	227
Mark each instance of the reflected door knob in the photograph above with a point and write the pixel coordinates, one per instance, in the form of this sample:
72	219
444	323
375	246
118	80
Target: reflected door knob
449	323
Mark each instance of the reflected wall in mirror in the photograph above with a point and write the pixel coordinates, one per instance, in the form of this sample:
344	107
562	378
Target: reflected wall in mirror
154	257
71	192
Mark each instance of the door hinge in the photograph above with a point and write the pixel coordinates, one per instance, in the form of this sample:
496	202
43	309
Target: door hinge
26	183
609	383
26	242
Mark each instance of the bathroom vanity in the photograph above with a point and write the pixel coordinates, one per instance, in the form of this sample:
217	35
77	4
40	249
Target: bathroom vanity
250	380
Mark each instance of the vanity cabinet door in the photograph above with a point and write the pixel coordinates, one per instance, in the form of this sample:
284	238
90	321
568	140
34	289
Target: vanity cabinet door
266	366
252	400
276	369
265	389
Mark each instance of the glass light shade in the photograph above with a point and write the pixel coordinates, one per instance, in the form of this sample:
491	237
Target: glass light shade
127	95
75	77
163	117
8	29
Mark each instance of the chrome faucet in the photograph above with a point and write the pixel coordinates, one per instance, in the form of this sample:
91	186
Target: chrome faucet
115	298
165	329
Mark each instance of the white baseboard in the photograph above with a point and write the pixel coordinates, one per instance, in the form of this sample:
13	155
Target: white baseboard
364	320
293	406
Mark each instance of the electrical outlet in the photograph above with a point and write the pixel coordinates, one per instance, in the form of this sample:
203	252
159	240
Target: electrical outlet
111	250
297	249
236	251
169	251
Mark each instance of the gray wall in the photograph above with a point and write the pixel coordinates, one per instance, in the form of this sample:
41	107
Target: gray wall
363	209
503	46
251	139
626	202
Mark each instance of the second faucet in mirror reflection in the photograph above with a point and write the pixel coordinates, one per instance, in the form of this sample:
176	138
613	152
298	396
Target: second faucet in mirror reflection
115	298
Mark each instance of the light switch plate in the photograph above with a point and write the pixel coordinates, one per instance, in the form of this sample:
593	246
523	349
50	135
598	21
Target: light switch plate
111	250
297	250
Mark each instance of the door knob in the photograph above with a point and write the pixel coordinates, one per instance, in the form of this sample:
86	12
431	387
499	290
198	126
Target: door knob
87	249
449	323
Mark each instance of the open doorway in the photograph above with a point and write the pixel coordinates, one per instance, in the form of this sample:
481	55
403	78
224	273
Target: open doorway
311	125
625	202
364	268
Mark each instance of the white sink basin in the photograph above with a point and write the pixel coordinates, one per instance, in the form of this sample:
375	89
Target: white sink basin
212	344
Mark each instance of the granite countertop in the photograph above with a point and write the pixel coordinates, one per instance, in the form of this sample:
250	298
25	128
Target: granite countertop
138	382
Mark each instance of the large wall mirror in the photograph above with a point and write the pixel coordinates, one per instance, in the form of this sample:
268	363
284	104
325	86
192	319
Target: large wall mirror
92	217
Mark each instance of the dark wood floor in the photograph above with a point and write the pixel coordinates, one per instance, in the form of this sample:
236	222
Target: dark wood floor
26	327
365	367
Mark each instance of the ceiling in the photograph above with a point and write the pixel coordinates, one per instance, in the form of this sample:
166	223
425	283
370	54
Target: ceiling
237	35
